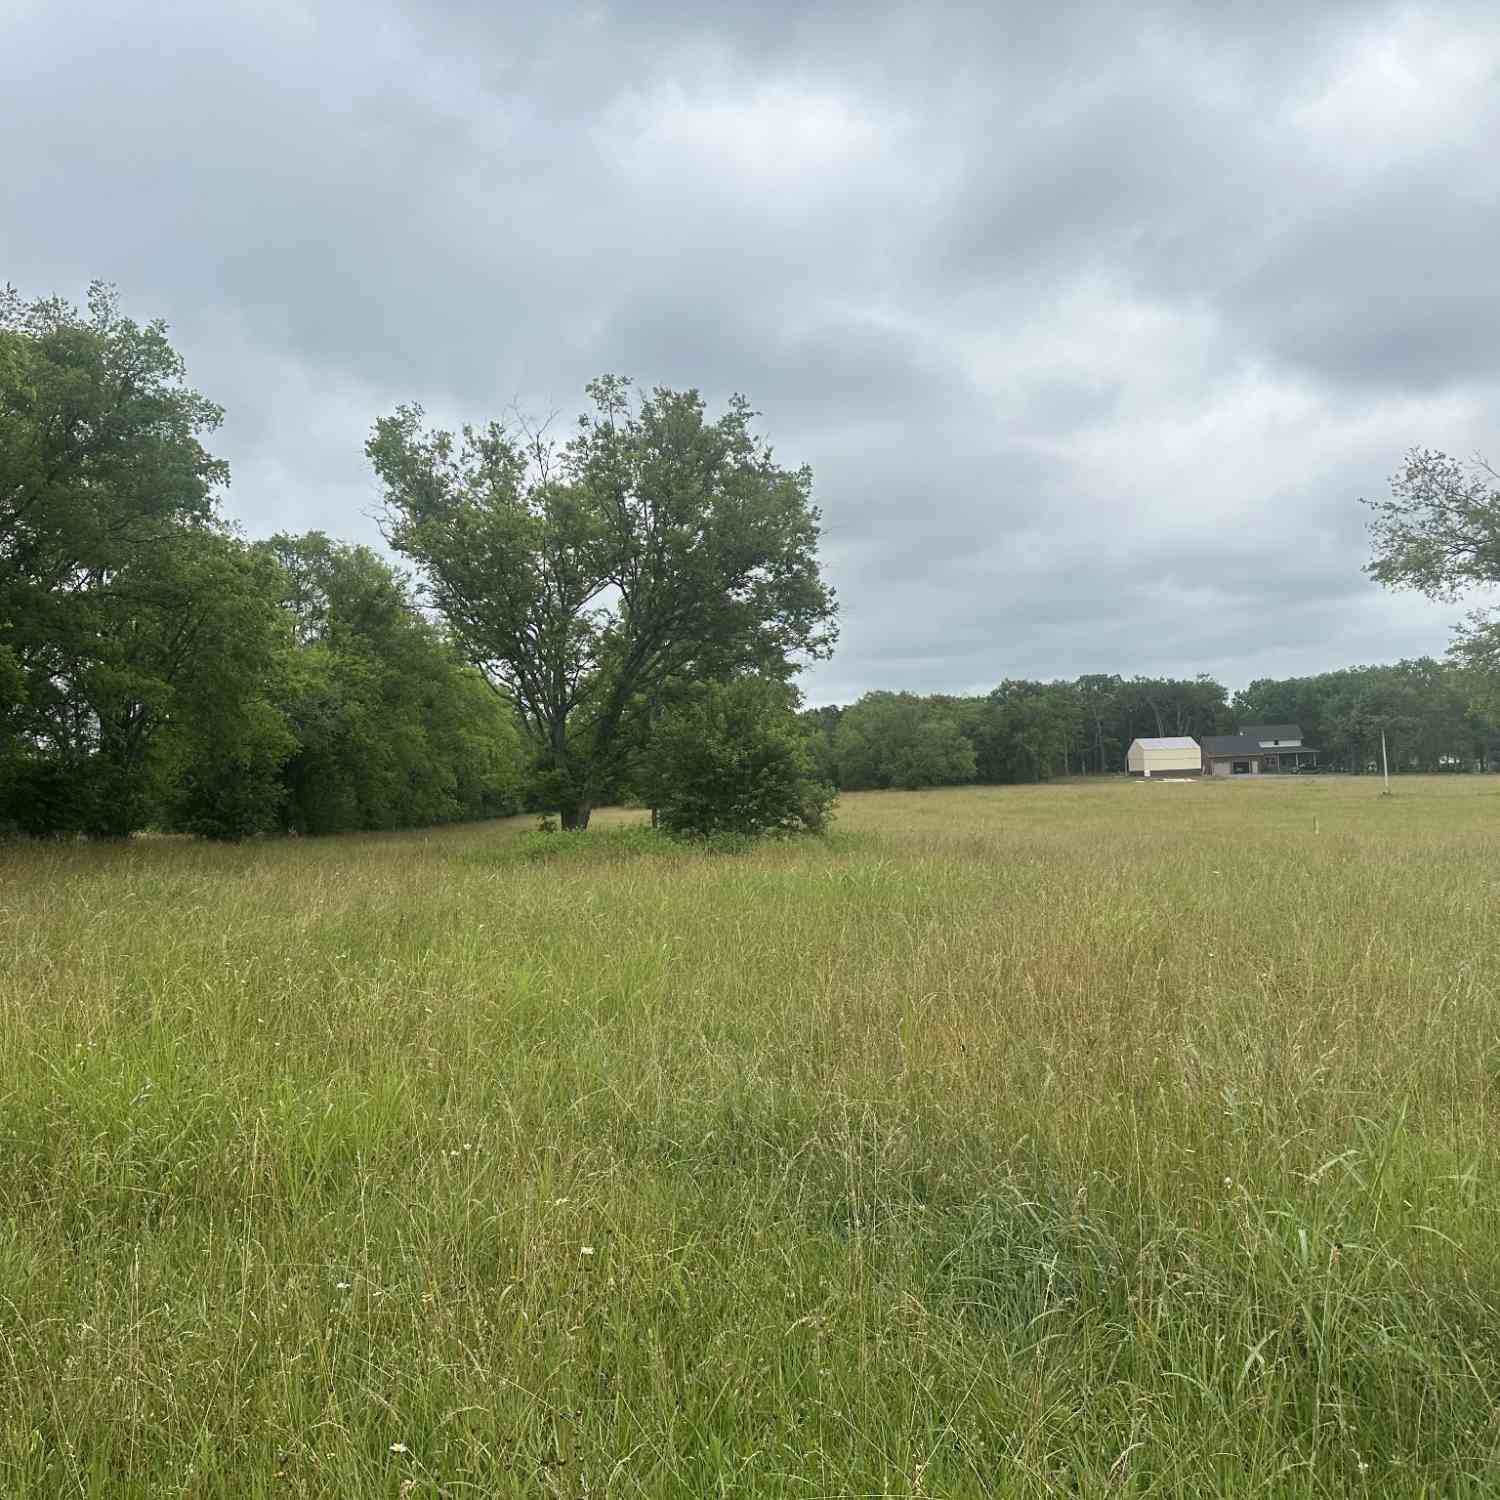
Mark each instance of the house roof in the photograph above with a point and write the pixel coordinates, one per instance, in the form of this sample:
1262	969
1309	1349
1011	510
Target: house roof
1171	742
1272	731
1231	744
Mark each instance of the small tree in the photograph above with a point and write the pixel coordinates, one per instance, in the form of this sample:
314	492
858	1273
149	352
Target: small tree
734	759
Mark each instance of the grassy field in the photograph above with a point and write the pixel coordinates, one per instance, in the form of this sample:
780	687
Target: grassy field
1093	1139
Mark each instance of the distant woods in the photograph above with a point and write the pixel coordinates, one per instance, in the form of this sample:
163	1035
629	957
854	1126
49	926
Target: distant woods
1438	534
1432	714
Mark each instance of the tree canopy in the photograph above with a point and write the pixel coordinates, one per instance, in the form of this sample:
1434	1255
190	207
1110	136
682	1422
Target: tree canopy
583	577
156	670
392	728
900	740
621	612
1439	532
134	629
1435	715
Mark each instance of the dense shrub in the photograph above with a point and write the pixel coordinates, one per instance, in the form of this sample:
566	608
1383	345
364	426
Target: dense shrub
734	760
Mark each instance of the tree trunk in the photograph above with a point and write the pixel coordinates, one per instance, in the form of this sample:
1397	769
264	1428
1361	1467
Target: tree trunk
575	816
111	803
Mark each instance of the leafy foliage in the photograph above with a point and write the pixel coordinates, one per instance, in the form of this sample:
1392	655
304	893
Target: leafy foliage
392	728
155	669
137	633
1429	712
582	578
1436	717
900	740
734	760
1025	729
100	450
1439	533
158	671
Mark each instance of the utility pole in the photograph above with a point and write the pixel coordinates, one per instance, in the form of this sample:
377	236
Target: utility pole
1385	765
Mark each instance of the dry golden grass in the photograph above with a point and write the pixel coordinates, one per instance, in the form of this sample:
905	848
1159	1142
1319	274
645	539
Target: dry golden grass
1088	1139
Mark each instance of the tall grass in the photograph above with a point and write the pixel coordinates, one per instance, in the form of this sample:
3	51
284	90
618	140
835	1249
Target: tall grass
1095	1139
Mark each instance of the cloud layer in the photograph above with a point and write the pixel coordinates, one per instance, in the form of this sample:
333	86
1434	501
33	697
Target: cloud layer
1093	326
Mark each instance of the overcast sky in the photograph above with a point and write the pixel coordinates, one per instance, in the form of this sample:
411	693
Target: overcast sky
1093	321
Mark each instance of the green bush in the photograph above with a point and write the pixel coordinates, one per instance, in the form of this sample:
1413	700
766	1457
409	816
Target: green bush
734	760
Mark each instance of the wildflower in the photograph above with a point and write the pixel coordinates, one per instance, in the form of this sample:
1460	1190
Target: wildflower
341	1286
399	1448
586	1250
1229	1182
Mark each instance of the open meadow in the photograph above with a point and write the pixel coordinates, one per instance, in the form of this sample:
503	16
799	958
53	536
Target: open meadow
1090	1139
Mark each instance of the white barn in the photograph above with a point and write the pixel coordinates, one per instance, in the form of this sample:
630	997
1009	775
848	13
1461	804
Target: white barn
1176	755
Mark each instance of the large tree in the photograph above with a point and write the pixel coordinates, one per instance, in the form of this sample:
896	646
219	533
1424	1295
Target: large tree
1172	706
583	577
100	455
135	630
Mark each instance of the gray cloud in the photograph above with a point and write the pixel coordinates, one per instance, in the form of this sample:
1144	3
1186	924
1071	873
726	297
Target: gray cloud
1093	321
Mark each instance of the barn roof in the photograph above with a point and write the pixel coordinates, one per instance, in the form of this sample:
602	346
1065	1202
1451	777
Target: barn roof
1231	744
1171	742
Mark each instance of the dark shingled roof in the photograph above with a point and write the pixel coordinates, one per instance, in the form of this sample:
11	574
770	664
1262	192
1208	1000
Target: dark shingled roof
1272	731
1230	744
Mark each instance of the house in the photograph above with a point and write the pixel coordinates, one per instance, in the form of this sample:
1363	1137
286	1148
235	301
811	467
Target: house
1177	755
1282	746
1256	750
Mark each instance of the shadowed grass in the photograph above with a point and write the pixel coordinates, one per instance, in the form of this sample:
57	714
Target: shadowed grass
1089	1139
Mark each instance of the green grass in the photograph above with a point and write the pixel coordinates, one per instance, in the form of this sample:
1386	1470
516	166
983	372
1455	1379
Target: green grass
1095	1139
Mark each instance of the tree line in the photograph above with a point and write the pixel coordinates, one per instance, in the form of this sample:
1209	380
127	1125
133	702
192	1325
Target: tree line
1435	716
157	669
621	614
618	615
